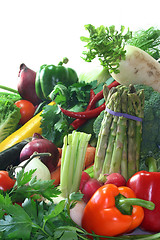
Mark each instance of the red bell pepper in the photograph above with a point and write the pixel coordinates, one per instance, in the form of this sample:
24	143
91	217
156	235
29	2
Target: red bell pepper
145	184
113	210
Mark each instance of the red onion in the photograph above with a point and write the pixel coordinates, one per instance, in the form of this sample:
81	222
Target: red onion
41	145
26	84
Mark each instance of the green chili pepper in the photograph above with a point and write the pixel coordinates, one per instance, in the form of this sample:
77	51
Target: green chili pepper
49	75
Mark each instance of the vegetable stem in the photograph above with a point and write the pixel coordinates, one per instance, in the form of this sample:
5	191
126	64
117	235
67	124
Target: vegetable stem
72	161
9	89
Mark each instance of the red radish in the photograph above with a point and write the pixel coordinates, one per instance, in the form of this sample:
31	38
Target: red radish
116	179
88	186
26	84
42	145
84	178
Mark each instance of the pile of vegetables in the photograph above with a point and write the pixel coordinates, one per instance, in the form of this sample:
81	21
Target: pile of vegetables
73	165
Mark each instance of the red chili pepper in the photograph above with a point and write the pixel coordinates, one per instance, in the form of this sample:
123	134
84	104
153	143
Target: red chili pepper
86	114
79	122
99	95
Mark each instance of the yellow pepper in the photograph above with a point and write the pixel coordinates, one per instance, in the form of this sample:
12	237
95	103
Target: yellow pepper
26	131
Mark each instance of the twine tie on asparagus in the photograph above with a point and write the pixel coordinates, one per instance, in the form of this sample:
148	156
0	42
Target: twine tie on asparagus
119	114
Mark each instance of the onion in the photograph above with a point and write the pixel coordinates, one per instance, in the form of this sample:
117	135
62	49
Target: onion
42	172
41	145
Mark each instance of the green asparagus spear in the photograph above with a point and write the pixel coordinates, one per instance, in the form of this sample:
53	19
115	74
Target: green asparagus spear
123	123
131	137
102	141
119	140
139	112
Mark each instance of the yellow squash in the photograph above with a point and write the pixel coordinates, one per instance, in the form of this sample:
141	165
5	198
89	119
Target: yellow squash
26	131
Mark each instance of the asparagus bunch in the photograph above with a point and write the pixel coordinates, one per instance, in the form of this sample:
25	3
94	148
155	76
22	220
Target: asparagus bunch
119	140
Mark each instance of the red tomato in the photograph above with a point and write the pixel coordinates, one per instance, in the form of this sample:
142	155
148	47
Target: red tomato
27	110
6	182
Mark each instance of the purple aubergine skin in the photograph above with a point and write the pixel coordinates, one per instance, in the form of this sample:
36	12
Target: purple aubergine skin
26	84
42	146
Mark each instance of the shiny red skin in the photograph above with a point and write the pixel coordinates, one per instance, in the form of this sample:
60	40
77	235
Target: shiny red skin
146	186
6	182
116	179
27	110
42	146
26	84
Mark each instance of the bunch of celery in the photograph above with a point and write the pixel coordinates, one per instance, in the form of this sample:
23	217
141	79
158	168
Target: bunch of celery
119	139
72	161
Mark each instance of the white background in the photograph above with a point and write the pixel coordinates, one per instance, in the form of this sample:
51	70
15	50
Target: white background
37	32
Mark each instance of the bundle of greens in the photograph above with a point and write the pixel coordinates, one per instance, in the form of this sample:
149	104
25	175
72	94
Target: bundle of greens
119	139
9	117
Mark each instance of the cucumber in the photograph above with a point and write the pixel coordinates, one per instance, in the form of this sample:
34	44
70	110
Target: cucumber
11	156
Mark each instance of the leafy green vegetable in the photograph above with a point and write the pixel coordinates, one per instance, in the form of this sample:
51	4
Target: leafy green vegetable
107	44
54	124
9	118
148	40
9	96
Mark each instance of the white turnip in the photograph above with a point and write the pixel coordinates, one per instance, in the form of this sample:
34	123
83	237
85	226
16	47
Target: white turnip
138	68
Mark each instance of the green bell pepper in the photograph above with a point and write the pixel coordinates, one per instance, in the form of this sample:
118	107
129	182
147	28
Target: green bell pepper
49	75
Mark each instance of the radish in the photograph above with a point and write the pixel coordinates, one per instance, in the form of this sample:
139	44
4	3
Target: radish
88	186
116	179
26	84
138	68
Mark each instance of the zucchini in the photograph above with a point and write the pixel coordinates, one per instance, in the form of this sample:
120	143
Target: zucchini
11	156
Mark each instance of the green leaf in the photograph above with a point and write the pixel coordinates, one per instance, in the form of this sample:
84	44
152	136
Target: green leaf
57	210
17	224
107	44
23	178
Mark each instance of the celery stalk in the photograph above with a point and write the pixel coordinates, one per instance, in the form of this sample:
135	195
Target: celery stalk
72	162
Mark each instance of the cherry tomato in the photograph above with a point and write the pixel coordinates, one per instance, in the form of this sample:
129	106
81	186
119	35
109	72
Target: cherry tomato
6	182
27	110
